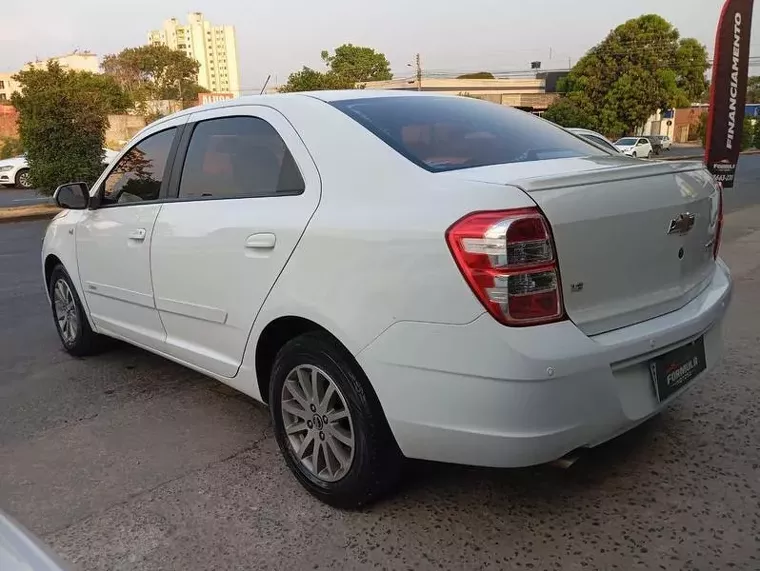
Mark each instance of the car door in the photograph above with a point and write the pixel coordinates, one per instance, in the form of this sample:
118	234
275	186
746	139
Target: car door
645	147
113	239
245	189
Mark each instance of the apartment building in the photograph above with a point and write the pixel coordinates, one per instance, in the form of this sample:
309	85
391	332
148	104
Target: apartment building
213	47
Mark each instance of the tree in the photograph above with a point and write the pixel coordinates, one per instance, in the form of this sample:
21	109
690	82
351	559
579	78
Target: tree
10	147
358	64
753	89
114	97
642	66
567	113
62	123
477	75
756	138
311	80
154	72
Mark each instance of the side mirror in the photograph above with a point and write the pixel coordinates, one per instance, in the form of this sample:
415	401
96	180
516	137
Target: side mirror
74	196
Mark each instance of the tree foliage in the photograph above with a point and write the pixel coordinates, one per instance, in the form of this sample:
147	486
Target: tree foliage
312	80
753	89
10	147
154	72
358	64
348	68
756	135
643	65
62	123
477	75
567	113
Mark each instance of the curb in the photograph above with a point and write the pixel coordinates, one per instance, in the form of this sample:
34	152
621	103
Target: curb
28	217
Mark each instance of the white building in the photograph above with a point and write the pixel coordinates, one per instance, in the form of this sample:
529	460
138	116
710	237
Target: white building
213	47
75	61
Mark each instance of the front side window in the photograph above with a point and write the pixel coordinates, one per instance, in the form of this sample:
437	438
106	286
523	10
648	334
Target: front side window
238	157
449	133
138	175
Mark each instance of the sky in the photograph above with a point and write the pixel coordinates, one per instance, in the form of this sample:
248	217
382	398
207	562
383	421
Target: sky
280	36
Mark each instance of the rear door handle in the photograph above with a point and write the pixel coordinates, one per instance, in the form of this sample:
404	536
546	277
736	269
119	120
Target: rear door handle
138	235
261	241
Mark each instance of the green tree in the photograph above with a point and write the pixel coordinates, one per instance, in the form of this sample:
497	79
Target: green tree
643	65
753	89
477	75
114	97
567	113
756	137
154	72
358	64
748	134
312	80
10	147
62	123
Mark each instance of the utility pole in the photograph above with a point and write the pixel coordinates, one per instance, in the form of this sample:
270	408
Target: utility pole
419	72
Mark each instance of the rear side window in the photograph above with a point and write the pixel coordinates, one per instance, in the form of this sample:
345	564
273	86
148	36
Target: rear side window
449	133
238	157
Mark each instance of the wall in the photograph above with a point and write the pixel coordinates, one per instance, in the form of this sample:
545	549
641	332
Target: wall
8	122
7	86
121	128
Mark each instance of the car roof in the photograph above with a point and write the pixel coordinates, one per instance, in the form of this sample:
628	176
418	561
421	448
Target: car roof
272	99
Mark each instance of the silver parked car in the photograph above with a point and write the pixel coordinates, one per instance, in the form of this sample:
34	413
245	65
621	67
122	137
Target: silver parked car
22	551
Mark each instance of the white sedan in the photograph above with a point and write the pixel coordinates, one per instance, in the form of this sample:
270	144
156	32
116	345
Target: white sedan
15	171
636	147
399	275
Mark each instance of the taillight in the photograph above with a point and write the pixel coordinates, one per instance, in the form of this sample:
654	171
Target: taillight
719	226
508	259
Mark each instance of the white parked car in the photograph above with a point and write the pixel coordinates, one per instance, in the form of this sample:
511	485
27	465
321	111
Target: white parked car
665	142
636	147
595	138
399	275
15	171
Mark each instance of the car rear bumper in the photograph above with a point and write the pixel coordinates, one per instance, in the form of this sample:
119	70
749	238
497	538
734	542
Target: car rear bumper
488	395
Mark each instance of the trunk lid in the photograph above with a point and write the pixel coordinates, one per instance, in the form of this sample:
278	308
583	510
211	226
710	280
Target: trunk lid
634	239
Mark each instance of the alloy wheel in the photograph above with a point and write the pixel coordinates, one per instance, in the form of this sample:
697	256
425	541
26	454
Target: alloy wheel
23	180
66	314
318	423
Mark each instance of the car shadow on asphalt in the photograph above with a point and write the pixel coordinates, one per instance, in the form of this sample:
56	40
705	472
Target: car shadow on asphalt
594	468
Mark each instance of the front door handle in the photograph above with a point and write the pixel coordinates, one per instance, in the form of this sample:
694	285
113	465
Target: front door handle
138	235
261	241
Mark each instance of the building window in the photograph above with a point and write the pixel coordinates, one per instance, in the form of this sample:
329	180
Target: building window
2	84
3	97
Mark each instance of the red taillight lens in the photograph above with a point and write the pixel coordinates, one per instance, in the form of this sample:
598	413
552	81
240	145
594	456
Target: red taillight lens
507	258
719	226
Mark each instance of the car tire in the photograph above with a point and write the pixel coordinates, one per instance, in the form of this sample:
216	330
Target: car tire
635	155
70	320
649	155
357	459
22	179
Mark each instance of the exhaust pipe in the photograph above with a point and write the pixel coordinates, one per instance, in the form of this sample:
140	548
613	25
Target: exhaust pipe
566	461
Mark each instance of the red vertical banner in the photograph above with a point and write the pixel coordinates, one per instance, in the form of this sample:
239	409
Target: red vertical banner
728	91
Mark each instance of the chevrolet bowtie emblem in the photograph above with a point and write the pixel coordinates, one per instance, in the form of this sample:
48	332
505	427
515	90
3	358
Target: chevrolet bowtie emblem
682	224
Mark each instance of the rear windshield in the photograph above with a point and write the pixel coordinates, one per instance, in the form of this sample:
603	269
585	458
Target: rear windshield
449	133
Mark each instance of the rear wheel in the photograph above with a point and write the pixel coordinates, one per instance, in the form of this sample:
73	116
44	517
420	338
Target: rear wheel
75	332
649	155
23	180
329	425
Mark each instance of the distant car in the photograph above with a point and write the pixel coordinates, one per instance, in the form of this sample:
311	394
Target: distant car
665	142
595	138
15	171
636	147
656	143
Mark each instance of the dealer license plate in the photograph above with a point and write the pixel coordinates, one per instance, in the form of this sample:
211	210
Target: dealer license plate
677	368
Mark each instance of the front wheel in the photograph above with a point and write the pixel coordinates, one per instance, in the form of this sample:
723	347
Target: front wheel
329	424
649	155
635	155
23	180
75	332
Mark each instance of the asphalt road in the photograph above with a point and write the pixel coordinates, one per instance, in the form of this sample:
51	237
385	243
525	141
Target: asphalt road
127	461
19	197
